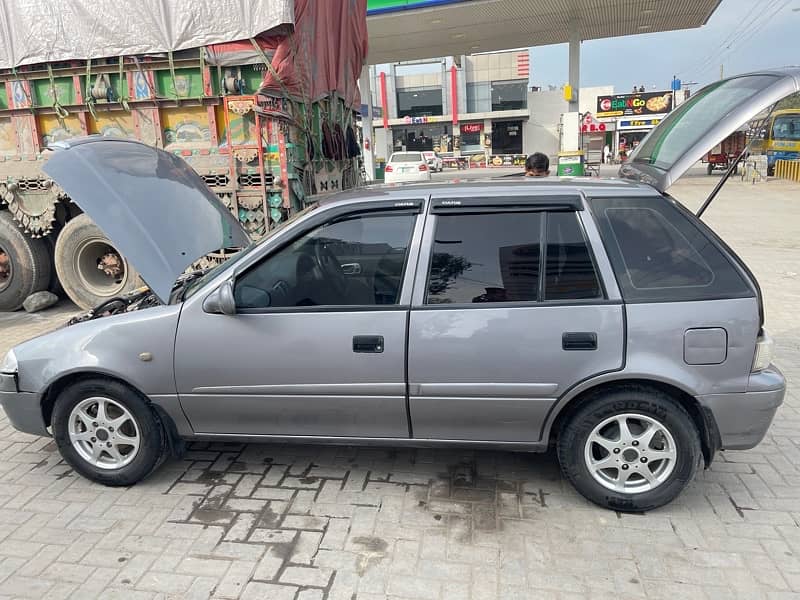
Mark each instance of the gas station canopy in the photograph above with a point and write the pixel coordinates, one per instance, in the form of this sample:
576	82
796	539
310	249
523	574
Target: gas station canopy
421	29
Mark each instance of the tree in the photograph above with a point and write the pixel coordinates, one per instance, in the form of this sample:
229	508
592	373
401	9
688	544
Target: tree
792	101
445	268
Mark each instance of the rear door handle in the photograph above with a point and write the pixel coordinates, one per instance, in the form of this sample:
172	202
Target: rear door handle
579	340
370	344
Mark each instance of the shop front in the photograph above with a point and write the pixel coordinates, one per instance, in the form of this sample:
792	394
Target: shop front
634	116
423	134
631	132
506	147
472	138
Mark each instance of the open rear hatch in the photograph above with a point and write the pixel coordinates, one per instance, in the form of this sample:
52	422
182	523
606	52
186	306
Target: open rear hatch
703	121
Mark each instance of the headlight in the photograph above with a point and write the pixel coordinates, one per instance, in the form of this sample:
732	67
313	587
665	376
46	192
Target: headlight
9	364
763	356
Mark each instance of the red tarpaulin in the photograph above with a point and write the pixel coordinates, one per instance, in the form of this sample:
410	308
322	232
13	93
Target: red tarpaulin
326	52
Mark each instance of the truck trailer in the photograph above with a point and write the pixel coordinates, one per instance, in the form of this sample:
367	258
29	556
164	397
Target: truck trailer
259	97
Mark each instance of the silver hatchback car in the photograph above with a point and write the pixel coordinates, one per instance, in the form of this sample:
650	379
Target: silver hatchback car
598	317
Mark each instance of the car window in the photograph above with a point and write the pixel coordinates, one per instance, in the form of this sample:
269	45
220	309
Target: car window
569	269
659	254
413	157
357	261
485	258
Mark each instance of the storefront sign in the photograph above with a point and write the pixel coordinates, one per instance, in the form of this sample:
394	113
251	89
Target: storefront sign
508	160
624	105
471	127
422	120
591	125
639	123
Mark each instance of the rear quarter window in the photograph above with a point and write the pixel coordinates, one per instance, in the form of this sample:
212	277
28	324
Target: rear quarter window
659	254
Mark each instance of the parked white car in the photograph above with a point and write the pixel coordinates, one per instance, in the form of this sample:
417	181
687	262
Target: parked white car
435	162
406	166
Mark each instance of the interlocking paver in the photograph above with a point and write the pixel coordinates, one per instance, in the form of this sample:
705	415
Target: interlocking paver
327	523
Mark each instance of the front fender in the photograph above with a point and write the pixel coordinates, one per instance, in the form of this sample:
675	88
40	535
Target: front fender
136	347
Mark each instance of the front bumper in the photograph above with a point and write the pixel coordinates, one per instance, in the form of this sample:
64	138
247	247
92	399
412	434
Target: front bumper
23	409
742	419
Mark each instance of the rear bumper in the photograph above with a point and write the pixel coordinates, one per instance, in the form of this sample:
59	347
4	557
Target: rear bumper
406	177
742	419
23	409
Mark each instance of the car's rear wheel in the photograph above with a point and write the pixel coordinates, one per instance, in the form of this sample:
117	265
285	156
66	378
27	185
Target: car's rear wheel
108	432
631	449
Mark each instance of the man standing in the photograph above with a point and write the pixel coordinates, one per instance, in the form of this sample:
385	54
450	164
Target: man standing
606	154
537	165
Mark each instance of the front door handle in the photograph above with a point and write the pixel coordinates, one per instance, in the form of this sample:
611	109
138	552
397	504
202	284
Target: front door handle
370	344
579	340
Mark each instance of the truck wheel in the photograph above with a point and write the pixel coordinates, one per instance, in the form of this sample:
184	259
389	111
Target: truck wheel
90	268
710	168
632	449
25	264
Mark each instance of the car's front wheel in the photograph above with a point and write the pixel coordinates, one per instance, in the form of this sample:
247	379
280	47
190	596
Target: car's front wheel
108	432
631	449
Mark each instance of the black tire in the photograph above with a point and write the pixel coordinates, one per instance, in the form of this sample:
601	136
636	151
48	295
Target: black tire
29	261
76	246
710	168
637	400
153	445
54	284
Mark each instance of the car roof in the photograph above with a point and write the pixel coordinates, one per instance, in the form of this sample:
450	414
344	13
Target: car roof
518	186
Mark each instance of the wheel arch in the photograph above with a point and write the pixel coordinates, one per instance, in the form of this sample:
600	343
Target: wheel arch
53	389
702	418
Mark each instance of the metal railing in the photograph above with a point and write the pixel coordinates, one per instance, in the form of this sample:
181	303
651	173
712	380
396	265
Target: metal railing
788	169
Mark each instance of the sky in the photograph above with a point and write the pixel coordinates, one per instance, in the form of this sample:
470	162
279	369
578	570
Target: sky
742	35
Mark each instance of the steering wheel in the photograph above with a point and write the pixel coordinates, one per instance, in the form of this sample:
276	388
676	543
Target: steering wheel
332	271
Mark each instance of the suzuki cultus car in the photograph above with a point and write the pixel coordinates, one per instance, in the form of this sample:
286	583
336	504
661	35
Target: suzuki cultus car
599	317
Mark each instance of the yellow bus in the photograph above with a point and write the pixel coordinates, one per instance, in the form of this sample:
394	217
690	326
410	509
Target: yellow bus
783	137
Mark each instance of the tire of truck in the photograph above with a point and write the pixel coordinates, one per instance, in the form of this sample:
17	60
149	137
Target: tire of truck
710	168
25	264
54	285
91	270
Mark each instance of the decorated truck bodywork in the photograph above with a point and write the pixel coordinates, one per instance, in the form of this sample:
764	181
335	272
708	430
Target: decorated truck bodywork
266	121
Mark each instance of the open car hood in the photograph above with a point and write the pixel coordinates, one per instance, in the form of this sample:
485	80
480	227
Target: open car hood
152	205
703	121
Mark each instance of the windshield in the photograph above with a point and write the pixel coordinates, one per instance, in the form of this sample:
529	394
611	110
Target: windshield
196	284
696	117
786	127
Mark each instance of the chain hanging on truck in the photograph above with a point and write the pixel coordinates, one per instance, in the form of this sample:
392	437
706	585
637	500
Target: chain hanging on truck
32	204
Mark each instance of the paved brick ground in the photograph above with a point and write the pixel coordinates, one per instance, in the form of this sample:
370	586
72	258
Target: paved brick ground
312	523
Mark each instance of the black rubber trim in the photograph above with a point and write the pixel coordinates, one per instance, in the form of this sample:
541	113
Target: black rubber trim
506	204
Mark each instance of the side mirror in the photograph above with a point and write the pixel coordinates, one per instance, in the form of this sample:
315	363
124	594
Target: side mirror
221	300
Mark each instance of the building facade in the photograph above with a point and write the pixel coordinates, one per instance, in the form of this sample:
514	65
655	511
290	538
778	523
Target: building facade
469	106
478	107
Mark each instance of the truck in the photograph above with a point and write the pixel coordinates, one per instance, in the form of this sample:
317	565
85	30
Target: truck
263	105
782	139
723	154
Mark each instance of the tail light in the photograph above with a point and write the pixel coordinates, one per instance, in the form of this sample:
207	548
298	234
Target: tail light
388	169
763	355
423	167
